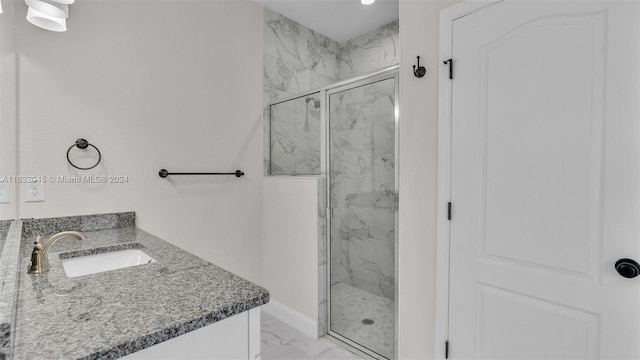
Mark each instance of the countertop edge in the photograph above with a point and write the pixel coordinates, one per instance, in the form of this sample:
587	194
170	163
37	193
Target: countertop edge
9	277
176	330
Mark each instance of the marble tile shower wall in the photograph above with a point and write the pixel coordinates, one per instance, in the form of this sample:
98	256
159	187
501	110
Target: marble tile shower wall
363	197
298	59
372	51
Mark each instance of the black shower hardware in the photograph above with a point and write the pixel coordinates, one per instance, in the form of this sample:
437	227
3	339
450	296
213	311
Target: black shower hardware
83	144
164	173
420	71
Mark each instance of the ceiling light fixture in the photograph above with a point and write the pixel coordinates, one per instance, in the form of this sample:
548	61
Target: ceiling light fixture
49	14
50	8
367	2
45	21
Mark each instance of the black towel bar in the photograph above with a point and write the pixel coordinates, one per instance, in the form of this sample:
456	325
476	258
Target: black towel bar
164	173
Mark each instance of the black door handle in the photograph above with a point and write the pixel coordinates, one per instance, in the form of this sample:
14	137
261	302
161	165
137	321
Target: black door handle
628	268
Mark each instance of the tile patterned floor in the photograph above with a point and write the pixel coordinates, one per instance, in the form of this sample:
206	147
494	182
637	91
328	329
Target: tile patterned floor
282	342
349	306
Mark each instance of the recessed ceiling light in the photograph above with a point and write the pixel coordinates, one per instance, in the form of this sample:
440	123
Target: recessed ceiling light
367	2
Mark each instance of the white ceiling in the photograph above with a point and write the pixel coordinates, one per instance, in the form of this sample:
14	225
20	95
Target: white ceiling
340	20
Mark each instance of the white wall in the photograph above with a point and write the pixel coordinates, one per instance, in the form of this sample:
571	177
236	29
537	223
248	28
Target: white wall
153	84
290	244
7	108
418	165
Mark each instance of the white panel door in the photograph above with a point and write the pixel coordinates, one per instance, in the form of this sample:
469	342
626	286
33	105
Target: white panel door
545	181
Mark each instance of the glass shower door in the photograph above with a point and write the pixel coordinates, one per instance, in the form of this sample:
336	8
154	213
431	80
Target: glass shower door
294	136
363	202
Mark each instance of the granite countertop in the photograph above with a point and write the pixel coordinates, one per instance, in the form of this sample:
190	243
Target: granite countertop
111	314
4	229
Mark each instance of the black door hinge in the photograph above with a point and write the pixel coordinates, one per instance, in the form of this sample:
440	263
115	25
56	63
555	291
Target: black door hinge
446	349
449	211
450	62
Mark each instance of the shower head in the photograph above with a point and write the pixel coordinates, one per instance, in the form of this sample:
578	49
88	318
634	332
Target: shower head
316	102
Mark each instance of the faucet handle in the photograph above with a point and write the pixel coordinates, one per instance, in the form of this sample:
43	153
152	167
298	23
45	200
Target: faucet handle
37	265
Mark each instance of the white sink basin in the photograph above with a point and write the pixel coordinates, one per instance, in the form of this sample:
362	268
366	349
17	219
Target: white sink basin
91	264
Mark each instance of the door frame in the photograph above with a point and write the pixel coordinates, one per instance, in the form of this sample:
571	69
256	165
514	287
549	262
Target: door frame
445	91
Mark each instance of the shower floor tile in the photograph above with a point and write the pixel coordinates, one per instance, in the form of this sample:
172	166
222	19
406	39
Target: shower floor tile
350	306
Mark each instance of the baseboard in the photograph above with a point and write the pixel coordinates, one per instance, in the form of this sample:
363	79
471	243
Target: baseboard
292	318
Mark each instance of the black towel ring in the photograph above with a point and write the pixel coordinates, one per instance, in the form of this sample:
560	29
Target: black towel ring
83	144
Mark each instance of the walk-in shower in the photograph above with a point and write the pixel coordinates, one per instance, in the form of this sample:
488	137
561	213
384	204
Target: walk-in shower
348	133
